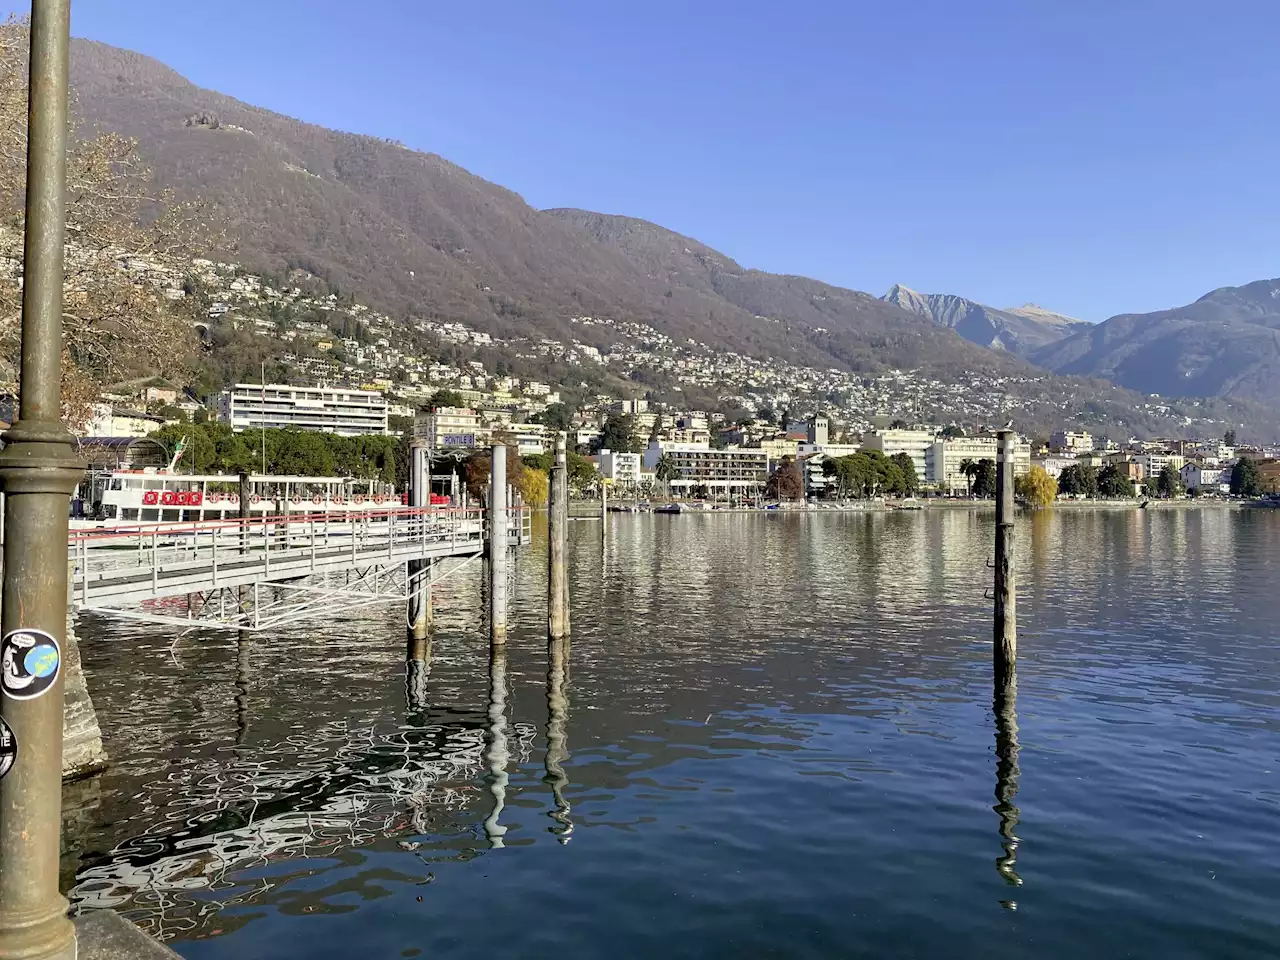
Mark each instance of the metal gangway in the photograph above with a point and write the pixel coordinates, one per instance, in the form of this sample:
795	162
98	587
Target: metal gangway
259	572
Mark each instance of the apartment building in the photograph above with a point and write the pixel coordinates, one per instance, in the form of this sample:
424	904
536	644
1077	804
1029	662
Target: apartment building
347	412
742	470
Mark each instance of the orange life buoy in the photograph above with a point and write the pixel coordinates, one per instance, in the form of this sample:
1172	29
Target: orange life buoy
254	498
359	498
379	499
316	499
295	499
195	498
214	497
150	498
233	498
168	498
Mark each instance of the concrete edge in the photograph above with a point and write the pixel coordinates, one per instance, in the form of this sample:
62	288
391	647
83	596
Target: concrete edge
105	935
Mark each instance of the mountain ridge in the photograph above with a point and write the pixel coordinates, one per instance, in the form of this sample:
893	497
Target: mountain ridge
1020	330
1226	343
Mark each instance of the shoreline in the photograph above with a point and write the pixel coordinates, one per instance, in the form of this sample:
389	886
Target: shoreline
590	510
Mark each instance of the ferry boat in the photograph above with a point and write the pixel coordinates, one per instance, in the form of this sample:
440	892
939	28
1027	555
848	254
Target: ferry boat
157	495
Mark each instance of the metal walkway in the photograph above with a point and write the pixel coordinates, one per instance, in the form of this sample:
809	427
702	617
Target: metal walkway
264	571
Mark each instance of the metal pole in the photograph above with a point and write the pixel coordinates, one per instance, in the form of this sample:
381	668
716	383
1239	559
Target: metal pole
498	533
604	509
39	471
556	626
1006	611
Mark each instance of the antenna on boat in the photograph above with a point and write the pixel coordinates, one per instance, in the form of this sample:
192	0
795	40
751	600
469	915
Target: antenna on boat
177	455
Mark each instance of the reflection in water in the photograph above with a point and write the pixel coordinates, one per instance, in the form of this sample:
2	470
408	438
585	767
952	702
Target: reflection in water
558	735
496	753
417	673
1005	706
243	669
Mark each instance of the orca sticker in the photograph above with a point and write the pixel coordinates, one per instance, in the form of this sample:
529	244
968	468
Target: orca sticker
8	748
30	661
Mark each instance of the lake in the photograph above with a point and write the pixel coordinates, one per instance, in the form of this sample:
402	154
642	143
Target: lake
771	736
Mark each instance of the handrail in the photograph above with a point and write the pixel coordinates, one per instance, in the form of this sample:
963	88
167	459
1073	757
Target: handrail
172	528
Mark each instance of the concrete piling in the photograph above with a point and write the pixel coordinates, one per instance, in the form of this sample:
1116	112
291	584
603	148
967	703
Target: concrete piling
557	521
1006	611
499	531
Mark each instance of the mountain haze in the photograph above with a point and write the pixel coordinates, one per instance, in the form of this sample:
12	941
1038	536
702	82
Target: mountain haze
1225	344
1020	330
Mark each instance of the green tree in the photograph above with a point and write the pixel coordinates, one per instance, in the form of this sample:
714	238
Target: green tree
1113	484
446	398
618	434
557	417
984	483
656	432
1078	480
910	483
1229	438
1246	481
1169	483
666	471
951	432
969	467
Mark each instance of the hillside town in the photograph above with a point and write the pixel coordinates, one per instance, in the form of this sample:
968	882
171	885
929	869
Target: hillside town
351	370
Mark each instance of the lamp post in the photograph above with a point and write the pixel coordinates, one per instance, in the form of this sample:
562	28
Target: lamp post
39	471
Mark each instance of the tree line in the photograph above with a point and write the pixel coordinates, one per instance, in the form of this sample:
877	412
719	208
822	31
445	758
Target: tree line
869	473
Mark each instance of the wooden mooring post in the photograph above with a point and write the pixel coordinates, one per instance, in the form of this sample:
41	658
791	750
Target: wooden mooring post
1005	595
418	572
557	522
499	532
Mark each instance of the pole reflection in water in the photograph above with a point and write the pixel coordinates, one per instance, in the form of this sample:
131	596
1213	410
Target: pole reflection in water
496	752
1005	705
558	735
243	667
417	673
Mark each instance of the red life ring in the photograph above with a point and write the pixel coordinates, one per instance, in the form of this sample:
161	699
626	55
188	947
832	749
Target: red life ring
168	498
150	498
182	498
359	498
214	497
379	499
254	498
195	498
317	499
233	498
295	499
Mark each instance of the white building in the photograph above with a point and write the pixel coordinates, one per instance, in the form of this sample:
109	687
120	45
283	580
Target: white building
944	457
914	443
1205	479
253	406
743	470
621	469
458	427
1152	463
1054	465
1072	442
108	421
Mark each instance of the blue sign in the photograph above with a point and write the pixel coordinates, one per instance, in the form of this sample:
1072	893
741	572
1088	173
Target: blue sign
458	440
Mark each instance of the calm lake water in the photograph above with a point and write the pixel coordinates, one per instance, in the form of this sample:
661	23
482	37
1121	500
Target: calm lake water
773	737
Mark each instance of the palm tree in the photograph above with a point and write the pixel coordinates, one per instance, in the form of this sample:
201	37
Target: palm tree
969	467
666	472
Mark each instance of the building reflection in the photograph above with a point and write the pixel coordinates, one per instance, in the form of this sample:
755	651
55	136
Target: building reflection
496	749
558	735
1005	707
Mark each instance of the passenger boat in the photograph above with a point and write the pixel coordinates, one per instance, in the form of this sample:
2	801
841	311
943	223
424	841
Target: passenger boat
125	497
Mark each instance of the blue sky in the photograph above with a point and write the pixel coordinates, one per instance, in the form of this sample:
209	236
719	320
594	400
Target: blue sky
1093	157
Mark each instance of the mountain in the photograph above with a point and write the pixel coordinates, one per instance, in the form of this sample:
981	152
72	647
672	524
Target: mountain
1020	330
1226	344
417	235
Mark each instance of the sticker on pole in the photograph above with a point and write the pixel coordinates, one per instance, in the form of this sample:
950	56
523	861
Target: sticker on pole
8	748
29	661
